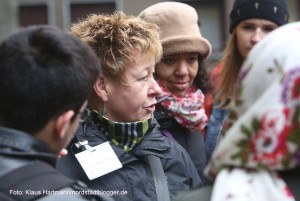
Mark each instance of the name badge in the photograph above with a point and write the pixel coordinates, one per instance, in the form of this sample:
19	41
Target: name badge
98	161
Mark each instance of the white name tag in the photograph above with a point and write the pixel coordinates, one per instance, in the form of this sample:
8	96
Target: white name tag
98	161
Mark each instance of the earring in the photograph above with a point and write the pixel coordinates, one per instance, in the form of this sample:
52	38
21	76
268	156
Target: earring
104	110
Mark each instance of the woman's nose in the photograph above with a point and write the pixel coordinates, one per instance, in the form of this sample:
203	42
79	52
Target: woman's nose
257	36
182	69
155	88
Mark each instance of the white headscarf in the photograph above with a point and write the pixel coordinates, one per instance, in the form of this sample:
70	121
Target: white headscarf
265	134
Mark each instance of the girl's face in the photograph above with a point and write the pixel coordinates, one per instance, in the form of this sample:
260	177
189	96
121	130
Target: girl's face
134	100
251	31
177	72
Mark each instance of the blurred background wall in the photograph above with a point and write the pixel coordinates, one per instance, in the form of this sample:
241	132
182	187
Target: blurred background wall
213	15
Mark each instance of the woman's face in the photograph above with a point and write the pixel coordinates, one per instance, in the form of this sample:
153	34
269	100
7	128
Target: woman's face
251	31
177	72
134	100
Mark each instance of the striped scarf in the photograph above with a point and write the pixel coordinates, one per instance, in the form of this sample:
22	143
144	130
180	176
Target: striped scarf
125	135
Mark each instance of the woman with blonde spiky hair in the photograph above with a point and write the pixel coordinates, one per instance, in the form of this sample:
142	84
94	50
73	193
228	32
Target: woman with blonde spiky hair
121	113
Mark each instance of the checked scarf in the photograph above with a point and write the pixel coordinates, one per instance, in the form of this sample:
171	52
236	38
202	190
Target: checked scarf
125	135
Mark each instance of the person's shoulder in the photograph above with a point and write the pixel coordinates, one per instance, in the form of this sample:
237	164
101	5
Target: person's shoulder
217	70
216	75
202	193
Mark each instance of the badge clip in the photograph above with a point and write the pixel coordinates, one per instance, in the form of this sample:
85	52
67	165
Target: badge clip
83	143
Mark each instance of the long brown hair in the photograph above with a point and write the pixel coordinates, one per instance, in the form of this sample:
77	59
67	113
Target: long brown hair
232	63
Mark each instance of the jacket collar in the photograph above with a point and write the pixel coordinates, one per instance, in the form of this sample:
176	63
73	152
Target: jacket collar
17	143
153	143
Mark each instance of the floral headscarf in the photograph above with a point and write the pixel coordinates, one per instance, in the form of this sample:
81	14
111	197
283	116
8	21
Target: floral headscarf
265	134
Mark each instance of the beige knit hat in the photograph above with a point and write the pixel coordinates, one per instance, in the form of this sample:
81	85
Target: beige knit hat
179	28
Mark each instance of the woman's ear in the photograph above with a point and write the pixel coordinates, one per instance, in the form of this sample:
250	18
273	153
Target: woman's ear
62	123
100	88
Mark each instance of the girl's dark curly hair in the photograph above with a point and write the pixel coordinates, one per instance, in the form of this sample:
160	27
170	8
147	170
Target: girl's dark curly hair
202	79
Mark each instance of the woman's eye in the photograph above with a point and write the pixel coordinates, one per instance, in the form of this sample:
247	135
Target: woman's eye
169	60
268	29
248	27
144	78
192	59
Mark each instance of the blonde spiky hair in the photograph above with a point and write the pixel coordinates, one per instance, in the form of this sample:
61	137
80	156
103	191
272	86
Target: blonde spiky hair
115	39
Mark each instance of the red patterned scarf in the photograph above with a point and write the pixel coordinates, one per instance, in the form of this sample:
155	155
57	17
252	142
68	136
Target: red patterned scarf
188	111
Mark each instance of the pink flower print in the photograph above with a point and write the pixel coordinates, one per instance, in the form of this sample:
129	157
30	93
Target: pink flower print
265	149
273	120
296	89
288	192
269	144
291	87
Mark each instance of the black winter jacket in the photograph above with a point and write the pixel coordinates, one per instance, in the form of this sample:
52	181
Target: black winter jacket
134	180
18	149
192	141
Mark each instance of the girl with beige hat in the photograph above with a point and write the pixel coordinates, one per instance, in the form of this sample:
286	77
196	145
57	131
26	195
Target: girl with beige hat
183	80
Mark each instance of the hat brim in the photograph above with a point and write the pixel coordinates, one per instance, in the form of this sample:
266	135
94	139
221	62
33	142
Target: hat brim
176	45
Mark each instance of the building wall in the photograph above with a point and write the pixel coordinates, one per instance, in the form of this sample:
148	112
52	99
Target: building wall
213	14
8	17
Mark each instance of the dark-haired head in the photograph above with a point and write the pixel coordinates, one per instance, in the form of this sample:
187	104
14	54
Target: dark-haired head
43	73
